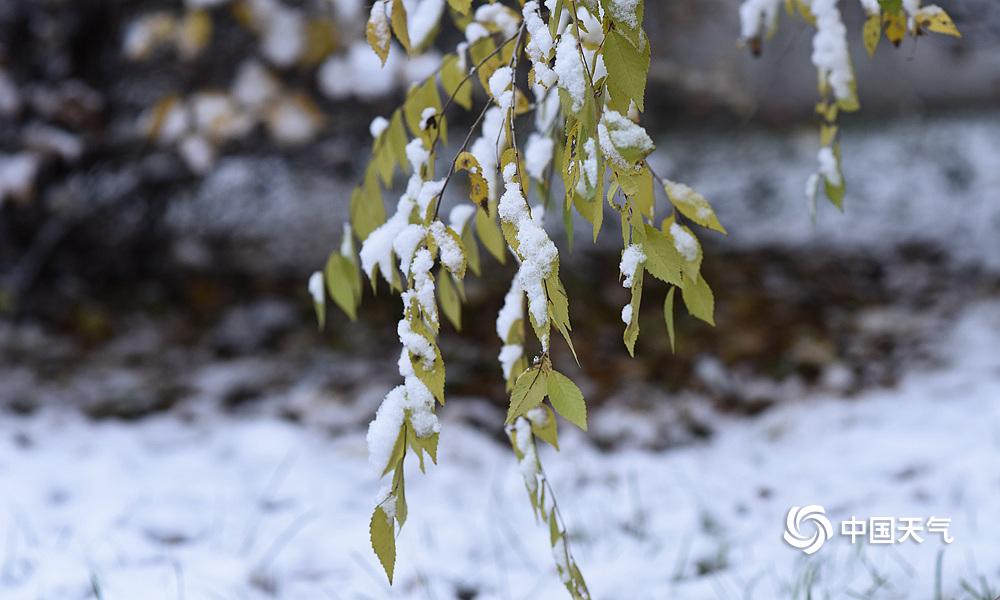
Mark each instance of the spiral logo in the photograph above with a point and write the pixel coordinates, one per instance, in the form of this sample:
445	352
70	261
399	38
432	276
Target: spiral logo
794	536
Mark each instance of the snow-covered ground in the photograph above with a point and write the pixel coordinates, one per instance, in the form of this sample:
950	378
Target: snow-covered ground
254	507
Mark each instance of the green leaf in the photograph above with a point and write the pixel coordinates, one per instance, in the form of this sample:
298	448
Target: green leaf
478	52
379	46
418	99
460	6
453	81
549	430
629	67
383	540
663	261
668	315
471	248
367	210
553	527
872	33
397	140
399	24
343	283
490	236
891	6
632	329
451	305
398	451
529	391
692	205
567	399
644	197
691	268
434	377
699	299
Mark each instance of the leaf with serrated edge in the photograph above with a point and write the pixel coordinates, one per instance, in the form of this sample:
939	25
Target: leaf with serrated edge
448	297
383	540
567	399
529	391
699	299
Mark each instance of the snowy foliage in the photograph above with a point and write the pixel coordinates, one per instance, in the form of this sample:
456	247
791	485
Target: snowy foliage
586	66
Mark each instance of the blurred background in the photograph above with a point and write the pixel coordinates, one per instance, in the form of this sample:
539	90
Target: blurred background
173	425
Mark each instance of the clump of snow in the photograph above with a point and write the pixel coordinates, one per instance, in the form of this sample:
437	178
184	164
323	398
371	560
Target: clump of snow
540	45
417	154
546	108
627	314
570	70
450	251
145	34
346	241
17	175
828	165
316	288
422	17
509	355
501	88
489	146
617	131
830	53
588	167
537	252
384	428
529	458
756	16
429	190
405	245
475	32
512	309
632	257
416	344
378	21
872	7
425	117
684	242
284	35
499	16
294	120
594	34
423	286
197	152
625	11
378	126
254	85
538	155
459	216
358	72
376	250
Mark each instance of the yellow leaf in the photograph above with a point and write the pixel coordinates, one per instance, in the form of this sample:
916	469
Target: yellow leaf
460	6
377	31
399	24
934	18
194	33
872	33
895	27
